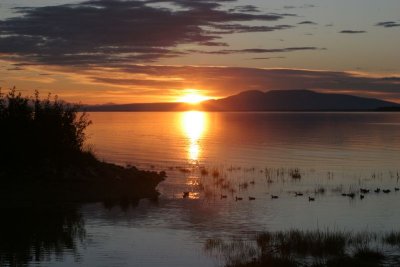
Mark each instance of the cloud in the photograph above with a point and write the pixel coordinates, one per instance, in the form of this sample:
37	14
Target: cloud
352	32
256	50
143	83
15	69
299	7
105	32
388	24
394	79
267	58
238	28
245	8
213	43
309	22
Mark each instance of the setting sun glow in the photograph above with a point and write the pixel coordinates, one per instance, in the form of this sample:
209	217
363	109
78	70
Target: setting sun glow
193	97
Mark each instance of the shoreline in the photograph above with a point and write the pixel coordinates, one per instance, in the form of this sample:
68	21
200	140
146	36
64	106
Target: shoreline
90	181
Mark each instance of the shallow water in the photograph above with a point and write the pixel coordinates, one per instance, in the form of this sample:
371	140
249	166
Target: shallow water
235	155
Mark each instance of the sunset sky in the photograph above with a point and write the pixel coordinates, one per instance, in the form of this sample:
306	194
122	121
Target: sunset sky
105	51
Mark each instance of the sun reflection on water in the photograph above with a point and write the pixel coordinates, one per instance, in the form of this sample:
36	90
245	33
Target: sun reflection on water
194	125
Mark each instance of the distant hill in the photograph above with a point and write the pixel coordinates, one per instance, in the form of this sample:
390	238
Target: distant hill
275	100
295	100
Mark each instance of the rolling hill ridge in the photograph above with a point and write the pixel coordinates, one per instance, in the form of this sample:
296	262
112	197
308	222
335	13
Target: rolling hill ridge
274	100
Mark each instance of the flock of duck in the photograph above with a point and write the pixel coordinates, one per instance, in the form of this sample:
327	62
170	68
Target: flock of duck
363	192
292	173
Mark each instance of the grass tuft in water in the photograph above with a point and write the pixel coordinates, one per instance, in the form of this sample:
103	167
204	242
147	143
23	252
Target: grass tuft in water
392	238
308	248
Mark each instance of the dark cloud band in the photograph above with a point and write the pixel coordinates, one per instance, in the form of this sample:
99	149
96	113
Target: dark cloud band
388	24
256	50
352	31
102	32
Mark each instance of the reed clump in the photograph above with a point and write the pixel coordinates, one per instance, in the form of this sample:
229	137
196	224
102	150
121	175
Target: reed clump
315	243
309	248
392	238
295	173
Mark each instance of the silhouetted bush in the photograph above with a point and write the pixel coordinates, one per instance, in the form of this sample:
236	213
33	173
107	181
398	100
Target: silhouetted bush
39	133
42	157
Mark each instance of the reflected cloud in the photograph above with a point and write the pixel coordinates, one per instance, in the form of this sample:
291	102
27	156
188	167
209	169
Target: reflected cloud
194	125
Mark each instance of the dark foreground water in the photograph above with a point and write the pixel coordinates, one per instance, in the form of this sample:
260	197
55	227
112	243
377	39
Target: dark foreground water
218	157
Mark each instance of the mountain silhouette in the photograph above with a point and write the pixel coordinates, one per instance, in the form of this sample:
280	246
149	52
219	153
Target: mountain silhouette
274	100
295	100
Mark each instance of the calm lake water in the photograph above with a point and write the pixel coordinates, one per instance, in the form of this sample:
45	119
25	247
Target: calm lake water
243	155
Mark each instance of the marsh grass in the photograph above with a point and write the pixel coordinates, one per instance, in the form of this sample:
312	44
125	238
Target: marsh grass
204	172
392	238
309	248
295	173
233	252
314	243
216	173
320	190
244	181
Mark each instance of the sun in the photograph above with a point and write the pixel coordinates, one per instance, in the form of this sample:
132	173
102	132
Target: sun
193	97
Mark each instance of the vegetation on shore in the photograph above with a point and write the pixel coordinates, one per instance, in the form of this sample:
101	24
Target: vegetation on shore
309	248
43	156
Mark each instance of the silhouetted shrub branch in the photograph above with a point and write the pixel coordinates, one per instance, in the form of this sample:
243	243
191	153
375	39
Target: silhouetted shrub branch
37	131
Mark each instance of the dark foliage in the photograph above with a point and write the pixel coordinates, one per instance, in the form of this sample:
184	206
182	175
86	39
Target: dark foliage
43	157
38	134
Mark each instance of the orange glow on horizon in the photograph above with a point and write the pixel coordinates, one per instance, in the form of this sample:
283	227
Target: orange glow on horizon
192	96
